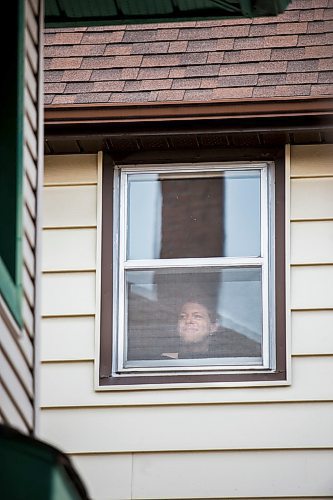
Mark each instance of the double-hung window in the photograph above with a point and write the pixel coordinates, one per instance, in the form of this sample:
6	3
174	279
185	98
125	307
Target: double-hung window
194	273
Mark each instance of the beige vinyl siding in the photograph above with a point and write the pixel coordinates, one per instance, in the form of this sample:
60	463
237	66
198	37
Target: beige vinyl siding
67	338
72	385
319	191
70	206
170	428
181	443
237	474
290	472
312	287
312	242
95	468
312	332
68	294
16	347
76	170
81	249
312	161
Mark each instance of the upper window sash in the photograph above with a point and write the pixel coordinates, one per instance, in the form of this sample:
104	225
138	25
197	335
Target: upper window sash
202	171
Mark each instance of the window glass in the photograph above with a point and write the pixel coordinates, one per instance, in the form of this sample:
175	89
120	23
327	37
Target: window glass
194	314
191	215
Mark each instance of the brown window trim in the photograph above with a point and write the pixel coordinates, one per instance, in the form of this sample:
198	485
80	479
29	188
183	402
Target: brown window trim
280	373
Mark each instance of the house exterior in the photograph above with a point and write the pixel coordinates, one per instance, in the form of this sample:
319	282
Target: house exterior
229	438
200	94
21	156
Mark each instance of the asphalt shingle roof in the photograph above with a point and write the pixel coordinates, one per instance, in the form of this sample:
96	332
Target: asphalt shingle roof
289	55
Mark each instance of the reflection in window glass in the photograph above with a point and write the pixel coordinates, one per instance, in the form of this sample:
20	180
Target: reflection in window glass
197	313
144	217
193	215
242	214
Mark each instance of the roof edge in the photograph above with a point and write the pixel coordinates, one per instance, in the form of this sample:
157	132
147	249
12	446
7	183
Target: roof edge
58	114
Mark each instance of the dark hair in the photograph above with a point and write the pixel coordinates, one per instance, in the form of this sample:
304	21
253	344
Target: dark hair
205	301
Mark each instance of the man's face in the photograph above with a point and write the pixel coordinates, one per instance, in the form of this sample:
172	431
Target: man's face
194	324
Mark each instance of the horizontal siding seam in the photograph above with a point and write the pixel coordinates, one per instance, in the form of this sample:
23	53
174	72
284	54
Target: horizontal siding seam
92	359
69	315
69	184
75	361
45	408
311	219
78	226
159	452
312	355
63	270
304	309
195	404
203	450
312	264
319	264
69	228
68	271
311	176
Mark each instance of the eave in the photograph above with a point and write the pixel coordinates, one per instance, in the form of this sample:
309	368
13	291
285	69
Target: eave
74	114
265	115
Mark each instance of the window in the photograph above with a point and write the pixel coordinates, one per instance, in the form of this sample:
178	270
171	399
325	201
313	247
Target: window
194	274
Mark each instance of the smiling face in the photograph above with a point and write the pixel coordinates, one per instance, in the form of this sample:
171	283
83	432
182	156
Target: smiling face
194	324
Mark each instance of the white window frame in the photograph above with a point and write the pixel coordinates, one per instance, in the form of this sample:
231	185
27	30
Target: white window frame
266	261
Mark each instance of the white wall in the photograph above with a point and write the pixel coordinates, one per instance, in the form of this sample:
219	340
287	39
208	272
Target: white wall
254	442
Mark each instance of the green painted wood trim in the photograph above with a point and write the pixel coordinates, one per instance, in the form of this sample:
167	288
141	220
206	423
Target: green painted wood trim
20	162
11	264
11	293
